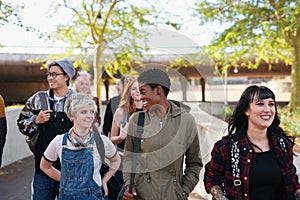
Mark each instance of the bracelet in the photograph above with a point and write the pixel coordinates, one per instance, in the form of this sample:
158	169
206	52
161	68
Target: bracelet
217	193
223	198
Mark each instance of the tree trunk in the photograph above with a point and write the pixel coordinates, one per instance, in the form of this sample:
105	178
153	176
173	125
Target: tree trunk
295	73
98	71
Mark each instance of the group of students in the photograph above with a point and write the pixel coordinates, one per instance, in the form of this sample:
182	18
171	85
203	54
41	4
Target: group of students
254	161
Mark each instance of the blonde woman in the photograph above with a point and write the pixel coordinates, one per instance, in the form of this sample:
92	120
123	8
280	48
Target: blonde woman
79	176
130	102
83	85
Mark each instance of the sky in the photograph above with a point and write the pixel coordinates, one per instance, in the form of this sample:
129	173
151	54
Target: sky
36	14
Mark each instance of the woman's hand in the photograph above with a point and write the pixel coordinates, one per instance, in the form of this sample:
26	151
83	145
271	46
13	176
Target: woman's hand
297	194
217	193
104	185
123	131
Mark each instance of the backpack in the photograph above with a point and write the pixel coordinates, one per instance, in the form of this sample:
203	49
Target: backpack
113	184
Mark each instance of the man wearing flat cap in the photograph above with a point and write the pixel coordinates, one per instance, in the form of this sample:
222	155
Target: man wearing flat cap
44	113
169	140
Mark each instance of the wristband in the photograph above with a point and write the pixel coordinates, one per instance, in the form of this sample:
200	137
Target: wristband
223	198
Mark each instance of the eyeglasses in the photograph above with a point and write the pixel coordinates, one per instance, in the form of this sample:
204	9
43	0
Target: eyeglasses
53	74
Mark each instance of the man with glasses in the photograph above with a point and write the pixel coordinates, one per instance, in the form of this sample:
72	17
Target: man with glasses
44	112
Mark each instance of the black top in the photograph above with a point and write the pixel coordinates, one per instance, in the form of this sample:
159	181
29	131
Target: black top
139	109
265	177
59	123
109	114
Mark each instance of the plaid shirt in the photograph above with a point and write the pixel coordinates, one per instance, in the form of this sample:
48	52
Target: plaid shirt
219	172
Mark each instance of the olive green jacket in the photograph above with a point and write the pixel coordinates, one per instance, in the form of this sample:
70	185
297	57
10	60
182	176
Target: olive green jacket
169	160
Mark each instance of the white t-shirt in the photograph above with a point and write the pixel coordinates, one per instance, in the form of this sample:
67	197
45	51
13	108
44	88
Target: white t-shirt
54	151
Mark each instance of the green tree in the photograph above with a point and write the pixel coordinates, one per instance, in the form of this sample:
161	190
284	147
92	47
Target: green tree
9	14
255	31
114	29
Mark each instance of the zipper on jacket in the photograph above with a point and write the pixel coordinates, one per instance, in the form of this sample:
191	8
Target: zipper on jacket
173	173
148	177
161	123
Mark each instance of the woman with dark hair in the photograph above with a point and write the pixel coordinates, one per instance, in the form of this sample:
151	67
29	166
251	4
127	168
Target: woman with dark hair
255	160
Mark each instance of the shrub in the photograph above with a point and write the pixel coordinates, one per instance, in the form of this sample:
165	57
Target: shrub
226	112
290	123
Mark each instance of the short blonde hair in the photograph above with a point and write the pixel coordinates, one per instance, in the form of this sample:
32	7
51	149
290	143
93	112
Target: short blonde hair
77	101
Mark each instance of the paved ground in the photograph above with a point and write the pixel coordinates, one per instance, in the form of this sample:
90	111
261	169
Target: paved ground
15	181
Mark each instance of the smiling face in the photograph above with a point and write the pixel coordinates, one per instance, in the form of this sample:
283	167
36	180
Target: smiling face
149	96
84	86
84	117
135	92
261	113
119	86
60	80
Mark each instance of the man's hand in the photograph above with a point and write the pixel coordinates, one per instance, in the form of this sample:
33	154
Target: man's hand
129	196
43	116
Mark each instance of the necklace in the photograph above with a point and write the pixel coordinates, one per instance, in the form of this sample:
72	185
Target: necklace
253	143
85	140
162	122
79	135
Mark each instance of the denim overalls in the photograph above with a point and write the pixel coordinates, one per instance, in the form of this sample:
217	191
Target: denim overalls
77	167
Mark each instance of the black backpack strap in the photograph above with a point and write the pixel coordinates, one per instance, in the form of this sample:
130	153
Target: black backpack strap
136	148
99	144
43	99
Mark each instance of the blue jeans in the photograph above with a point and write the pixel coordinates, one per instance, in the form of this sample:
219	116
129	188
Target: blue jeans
94	194
76	178
44	187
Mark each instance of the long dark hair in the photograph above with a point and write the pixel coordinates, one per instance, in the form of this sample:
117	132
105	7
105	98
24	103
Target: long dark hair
238	122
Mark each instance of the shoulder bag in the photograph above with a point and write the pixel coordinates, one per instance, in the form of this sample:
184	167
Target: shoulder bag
32	139
113	184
